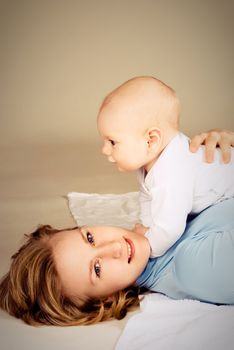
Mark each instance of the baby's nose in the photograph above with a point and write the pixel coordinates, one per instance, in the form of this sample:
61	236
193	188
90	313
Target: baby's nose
111	249
106	149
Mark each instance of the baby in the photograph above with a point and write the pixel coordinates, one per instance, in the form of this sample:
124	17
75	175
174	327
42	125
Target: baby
139	124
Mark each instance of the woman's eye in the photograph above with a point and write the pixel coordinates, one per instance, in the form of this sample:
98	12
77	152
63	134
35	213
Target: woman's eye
90	238
112	142
97	269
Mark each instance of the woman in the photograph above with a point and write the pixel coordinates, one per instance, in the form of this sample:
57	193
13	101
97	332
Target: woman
86	275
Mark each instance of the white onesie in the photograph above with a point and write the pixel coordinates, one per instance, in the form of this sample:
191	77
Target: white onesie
180	183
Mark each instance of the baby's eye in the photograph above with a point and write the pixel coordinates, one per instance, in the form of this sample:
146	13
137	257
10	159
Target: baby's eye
97	269
112	142
90	238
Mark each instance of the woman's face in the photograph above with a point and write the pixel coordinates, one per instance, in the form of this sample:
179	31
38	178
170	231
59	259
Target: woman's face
98	261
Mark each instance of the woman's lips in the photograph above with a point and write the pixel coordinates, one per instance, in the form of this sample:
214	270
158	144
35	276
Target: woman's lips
130	249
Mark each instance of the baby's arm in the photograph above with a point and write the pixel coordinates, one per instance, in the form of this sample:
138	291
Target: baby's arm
170	207
145	207
212	139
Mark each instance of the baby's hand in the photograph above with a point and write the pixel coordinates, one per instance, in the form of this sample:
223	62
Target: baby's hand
139	228
212	139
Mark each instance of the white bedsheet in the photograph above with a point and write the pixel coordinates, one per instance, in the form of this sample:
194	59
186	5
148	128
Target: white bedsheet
162	323
166	324
104	209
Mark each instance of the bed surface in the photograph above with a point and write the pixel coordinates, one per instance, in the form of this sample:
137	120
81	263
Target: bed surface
35	180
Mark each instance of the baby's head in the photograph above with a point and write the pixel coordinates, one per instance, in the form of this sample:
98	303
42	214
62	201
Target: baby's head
136	121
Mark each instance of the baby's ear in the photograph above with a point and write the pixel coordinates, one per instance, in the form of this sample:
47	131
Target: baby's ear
153	137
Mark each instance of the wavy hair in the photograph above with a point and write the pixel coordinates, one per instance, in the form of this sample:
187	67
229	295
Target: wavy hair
32	290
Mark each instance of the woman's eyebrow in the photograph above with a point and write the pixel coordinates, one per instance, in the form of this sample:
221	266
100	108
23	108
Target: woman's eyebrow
82	236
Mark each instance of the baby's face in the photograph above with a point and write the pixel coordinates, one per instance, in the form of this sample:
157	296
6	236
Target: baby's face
124	140
98	261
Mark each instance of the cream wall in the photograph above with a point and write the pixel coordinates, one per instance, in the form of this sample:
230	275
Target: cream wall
59	58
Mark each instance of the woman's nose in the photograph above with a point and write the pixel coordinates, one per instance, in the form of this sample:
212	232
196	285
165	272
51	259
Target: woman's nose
112	249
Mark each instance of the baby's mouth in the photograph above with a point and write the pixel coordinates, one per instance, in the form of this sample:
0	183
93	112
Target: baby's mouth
111	160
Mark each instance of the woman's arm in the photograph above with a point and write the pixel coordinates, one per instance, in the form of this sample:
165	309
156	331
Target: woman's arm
212	139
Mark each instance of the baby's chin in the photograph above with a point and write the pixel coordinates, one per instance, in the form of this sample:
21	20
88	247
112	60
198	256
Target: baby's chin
121	169
124	170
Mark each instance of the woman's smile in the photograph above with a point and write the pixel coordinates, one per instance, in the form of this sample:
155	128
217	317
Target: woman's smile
130	249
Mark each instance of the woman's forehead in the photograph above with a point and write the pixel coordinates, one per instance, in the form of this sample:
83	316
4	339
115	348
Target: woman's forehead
70	258
65	244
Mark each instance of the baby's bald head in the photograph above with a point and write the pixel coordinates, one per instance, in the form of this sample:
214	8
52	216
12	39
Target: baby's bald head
137	121
151	101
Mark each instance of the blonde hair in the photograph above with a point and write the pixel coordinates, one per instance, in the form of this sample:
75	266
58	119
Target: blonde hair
31	290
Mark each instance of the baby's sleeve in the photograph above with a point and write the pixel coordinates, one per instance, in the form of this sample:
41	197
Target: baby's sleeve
169	208
145	205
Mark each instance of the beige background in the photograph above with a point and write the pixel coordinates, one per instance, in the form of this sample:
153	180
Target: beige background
59	58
